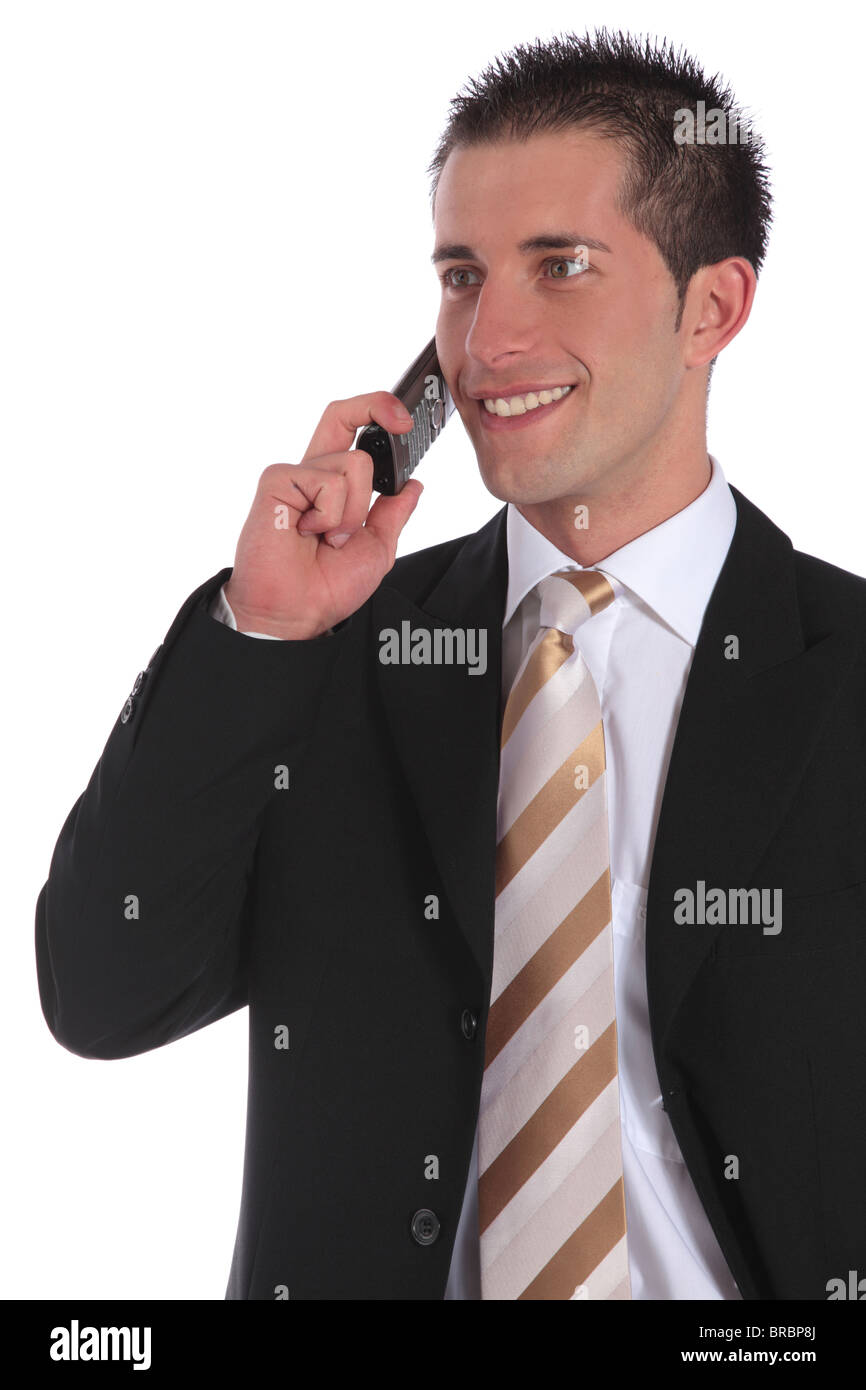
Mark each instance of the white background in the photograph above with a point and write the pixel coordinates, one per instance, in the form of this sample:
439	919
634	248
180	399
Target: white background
215	220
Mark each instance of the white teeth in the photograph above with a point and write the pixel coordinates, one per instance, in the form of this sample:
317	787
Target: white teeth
519	405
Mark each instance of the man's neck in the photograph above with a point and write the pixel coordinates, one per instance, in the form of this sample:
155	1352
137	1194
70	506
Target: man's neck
590	529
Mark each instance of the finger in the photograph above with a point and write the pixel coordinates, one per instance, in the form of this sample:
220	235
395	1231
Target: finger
359	490
315	496
388	515
335	432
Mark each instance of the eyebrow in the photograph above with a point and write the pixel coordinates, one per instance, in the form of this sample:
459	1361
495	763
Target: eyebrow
545	241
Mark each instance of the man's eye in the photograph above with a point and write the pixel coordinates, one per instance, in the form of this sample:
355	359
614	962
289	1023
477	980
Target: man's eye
455	270
577	262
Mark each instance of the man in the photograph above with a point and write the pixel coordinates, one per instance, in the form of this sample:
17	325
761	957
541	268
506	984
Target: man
554	959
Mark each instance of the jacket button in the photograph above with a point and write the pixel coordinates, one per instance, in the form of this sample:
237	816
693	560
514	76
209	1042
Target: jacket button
425	1226
138	683
468	1023
126	712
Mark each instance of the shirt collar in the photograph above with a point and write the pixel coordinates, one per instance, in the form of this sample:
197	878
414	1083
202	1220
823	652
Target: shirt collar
672	568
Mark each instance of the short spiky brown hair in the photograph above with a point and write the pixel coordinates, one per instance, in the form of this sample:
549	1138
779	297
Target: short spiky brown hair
698	202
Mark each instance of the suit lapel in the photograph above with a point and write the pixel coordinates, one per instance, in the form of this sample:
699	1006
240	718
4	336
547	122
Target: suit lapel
445	726
743	738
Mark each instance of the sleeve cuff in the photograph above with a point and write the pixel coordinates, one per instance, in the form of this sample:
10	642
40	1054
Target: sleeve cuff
221	610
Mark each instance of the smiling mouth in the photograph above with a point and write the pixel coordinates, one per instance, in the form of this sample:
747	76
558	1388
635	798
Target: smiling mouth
496	423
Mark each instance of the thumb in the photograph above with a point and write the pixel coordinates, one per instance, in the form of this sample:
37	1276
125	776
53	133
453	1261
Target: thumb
388	515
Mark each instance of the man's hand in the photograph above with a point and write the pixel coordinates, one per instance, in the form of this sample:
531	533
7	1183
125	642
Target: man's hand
293	576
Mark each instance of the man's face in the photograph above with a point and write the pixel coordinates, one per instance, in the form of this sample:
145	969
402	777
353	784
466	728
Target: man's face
513	319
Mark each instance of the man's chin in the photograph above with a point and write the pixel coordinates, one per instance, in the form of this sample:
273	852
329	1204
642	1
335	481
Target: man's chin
511	484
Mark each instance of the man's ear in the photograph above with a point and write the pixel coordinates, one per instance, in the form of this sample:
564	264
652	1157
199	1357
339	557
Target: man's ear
718	303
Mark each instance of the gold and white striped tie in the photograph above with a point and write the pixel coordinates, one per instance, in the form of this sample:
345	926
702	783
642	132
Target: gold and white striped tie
550	1193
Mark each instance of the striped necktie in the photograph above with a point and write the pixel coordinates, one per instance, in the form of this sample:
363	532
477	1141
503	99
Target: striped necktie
550	1193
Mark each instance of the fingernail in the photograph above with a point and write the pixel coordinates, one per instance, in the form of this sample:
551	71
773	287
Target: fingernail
340	539
402	411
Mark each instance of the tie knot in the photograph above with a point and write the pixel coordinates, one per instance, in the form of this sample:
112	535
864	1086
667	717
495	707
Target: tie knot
571	597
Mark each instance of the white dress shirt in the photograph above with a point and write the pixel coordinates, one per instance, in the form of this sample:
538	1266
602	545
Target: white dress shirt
639	652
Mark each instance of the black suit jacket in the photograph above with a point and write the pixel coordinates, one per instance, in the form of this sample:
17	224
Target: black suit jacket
352	910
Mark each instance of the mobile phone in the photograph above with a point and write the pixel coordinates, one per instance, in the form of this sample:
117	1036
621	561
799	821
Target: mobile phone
423	391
